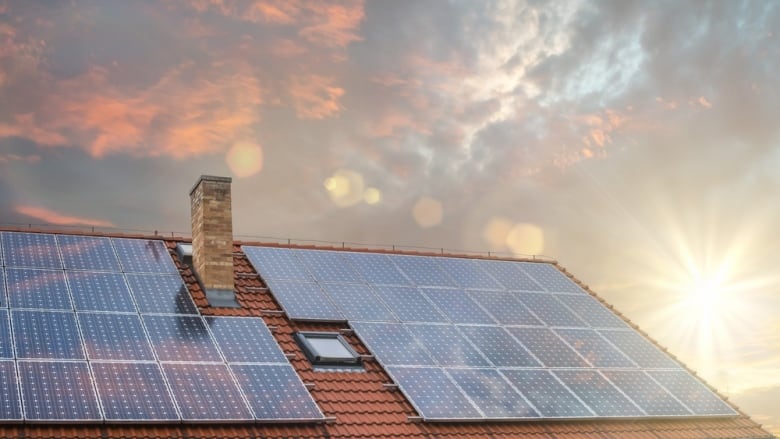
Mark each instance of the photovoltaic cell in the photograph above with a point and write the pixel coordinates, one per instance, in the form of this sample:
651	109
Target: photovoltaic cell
304	301
549	310
205	392
87	253
3	296
409	305
6	350
509	275
358	302
638	349
30	250
114	337
392	343
550	278
433	394
646	393
601	396
39	289
143	256
276	263
422	271
591	311
245	340
133	392
467	274
499	347
691	392
447	345
595	349
505	308
458	306
43	334
158	293
492	394
275	392
377	269
181	338
58	391
551	398
10	405
328	266
547	347
100	291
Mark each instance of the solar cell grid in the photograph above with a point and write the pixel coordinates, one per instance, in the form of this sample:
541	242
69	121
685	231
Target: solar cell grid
159	293
499	347
601	396
143	256
304	301
688	390
595	349
433	393
549	310
181	338
6	350
509	275
547	347
447	345
422	271
358	302
646	393
392	343
458	306
114	337
99	291
232	334
467	274
10	405
492	394
328	266
591	311
550	278
45	334
87	253
638	349
504	307
551	398
275	392
133	392
3	296
30	250
276	263
58	391
205	392
409	305
37	289
376	269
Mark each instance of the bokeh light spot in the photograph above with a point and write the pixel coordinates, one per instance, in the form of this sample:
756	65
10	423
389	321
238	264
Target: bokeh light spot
496	231
245	159
372	195
526	239
427	212
345	188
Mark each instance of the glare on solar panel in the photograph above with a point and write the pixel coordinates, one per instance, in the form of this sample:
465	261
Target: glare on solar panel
181	338
114	337
492	394
504	307
591	311
304	301
37	289
550	397
30	250
433	394
638	349
691	392
328	266
59	391
595	349
377	269
10	404
233	333
205	392
143	256
275	392
87	253
500	348
447	345
276	263
409	305
46	334
422	271
160	293
100	291
646	393
601	396
550	278
549	310
547	347
133	392
392	343
458	306
358	302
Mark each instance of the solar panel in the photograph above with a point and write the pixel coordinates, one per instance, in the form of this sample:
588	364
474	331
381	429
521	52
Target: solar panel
550	397
392	343
164	294
549	310
30	250
409	305
10	405
114	337
447	345
591	311
181	338
688	390
205	392
358	302
58	391
40	289
638	349
45	334
595	349
87	253
547	347
233	333
433	394
467	274
499	347
276	263
3	296
509	275
601	396
100	291
422	271
275	392
377	269
550	278
143	256
6	351
133	392
646	393
492	394
504	307
458	306
328	266
305	301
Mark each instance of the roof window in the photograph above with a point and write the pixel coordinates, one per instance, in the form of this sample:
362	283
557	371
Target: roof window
327	349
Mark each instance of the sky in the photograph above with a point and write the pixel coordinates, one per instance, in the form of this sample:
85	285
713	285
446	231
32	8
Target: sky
635	142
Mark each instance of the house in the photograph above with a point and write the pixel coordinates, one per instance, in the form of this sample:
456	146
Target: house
129	336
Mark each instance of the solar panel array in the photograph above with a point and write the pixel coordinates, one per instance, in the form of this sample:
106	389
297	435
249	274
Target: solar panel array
478	339
96	329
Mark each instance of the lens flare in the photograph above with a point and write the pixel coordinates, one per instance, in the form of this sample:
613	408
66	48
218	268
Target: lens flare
372	195
526	239
345	188
427	212
245	159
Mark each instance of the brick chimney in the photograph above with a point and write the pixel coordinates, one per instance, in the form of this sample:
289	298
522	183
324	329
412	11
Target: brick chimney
212	238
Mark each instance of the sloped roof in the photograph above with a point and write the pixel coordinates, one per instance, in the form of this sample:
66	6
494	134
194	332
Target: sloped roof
360	404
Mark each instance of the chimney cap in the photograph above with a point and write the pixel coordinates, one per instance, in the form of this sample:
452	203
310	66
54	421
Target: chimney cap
213	178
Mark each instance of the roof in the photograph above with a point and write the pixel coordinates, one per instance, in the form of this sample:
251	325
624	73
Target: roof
361	405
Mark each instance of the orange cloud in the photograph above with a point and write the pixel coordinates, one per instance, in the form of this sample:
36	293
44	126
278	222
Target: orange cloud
704	102
394	121
314	96
9	158
52	217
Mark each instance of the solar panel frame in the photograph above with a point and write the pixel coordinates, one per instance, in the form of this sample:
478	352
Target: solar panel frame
392	343
550	278
276	400
10	399
447	346
601	396
38	289
650	396
408	304
692	393
201	390
40	335
457	306
277	263
422	271
551	398
181	338
114	337
328	266
492	394
100	291
125	389
447	400
93	253
358	302
161	294
231	335
30	250
377	269
314	305
143	256
73	395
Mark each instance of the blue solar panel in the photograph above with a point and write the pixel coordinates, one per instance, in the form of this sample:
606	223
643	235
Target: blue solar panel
328	266
549	310
591	311
646	393
6	351
133	392
43	334
304	301
492	394
447	345
423	271
598	351
143	256
114	337
245	340
458	306
377	269
275	392
87	253
40	289
499	347
58	391
205	392
548	347
601	396
3	296
10	405
163	294
509	275
638	349
358	302
31	250
433	393
181	338
409	305
97	291
550	278
276	263
551	398
392	343
504	307
688	390
467	273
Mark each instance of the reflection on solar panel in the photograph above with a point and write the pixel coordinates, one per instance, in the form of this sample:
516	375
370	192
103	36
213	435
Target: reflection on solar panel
87	253
594	348
31	250
233	333
598	393
181	338
509	275
492	394
58	391
591	311
161	294
305	301
44	334
143	256
550	278
447	345
376	269
409	305
433	393
98	291
275	392
41	289
691	392
548	347
638	349
133	392
205	392
648	394
277	263
549	310
392	343
504	307
328	266
499	347
422	271
467	273
358	302
114	337
458	306
10	406
550	397
6	351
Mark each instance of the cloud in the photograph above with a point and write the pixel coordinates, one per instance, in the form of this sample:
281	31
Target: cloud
57	218
6	158
315	96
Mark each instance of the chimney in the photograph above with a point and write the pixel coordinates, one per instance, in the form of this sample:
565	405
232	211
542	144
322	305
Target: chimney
212	239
